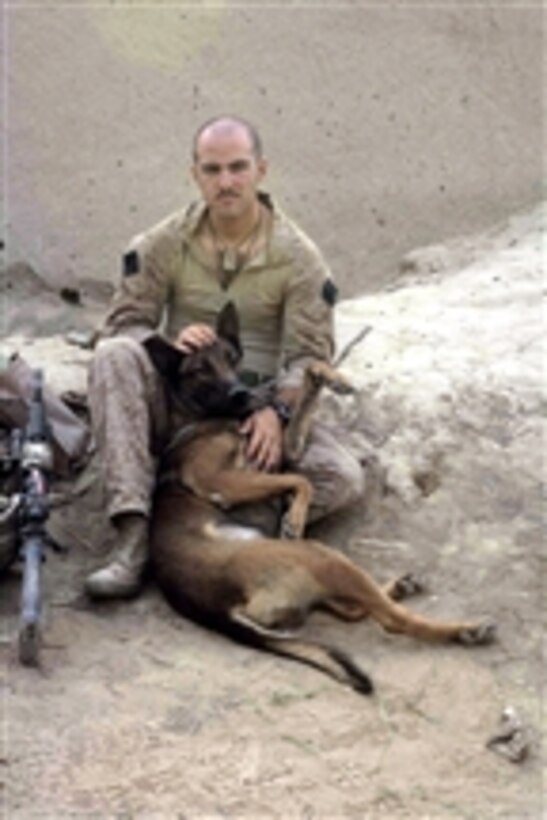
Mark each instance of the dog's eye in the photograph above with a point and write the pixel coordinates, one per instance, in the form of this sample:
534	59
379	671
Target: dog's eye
195	370
190	369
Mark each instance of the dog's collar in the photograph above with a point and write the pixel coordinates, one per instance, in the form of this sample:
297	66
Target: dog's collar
183	435
192	429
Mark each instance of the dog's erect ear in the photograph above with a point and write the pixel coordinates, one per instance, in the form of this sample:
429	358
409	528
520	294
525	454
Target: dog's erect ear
228	325
165	356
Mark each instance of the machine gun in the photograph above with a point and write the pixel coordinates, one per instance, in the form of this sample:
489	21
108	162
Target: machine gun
32	458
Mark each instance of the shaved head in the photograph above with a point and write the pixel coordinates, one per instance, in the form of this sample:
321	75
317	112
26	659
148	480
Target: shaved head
220	126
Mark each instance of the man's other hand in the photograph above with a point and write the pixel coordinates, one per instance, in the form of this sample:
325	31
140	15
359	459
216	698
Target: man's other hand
265	439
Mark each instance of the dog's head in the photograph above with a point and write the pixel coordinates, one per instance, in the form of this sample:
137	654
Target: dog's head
205	382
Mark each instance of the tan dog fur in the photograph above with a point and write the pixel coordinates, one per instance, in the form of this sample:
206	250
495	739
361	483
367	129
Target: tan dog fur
256	588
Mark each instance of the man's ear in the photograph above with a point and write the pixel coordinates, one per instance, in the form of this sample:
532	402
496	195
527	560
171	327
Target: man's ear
228	325
262	167
165	356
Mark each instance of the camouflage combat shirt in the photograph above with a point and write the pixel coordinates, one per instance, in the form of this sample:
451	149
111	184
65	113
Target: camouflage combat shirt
284	293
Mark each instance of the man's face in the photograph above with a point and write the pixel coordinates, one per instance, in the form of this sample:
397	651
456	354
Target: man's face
227	172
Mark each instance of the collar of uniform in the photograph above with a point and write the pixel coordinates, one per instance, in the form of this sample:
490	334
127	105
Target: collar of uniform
197	211
277	250
194	215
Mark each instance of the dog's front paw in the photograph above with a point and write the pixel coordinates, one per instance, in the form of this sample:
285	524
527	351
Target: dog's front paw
291	528
341	386
322	374
479	635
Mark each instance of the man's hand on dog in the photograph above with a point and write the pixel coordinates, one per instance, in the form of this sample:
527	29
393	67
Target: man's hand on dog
194	337
264	439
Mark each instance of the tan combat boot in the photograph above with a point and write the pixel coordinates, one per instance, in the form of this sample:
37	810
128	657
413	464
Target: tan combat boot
122	577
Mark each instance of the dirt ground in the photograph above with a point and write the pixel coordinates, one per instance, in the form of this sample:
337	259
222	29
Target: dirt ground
137	713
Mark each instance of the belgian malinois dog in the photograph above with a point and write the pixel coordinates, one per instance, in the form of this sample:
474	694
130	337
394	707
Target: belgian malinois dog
231	578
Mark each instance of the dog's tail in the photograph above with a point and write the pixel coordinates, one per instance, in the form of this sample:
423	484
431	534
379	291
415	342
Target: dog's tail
332	661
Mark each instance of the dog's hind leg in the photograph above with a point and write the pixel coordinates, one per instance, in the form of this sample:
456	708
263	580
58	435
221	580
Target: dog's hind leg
275	606
352	594
398	589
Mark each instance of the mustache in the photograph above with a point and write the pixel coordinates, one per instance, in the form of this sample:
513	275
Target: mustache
226	193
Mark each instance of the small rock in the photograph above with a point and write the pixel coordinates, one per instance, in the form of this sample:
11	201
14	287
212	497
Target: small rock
511	739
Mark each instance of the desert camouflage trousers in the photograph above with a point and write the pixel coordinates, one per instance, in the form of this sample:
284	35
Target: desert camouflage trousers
131	426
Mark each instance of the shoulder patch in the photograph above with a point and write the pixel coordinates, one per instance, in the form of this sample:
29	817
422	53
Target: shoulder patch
131	263
329	292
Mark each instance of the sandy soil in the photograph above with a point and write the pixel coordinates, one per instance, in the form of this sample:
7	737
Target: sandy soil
138	713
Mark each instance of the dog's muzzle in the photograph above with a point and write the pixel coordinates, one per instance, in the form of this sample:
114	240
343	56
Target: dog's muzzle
240	399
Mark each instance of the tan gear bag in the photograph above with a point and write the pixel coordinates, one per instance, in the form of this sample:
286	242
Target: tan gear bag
70	435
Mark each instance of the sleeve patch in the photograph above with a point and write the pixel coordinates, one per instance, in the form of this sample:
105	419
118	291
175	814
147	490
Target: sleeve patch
329	292
131	263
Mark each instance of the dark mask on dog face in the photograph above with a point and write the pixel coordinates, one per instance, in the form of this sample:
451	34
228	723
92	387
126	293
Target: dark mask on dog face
205	382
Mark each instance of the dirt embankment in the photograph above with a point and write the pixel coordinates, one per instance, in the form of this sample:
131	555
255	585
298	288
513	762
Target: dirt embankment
138	713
